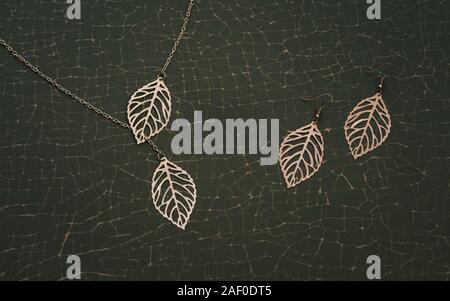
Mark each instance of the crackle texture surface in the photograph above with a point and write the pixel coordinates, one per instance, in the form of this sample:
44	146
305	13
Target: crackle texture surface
73	183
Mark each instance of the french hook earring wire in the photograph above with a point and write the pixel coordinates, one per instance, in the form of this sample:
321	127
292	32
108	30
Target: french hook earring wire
379	72
319	110
380	86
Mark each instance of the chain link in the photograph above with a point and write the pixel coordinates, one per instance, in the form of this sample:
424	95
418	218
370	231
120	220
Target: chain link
90	106
160	155
162	73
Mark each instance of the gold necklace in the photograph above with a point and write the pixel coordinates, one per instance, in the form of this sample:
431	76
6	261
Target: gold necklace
173	190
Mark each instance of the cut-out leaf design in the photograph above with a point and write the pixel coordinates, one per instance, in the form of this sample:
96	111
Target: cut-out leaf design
174	193
301	154
367	126
149	110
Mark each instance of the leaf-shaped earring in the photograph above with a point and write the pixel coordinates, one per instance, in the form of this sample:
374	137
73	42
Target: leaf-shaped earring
149	109
368	124
301	152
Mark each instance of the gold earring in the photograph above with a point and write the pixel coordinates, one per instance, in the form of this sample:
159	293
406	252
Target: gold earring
368	124
301	152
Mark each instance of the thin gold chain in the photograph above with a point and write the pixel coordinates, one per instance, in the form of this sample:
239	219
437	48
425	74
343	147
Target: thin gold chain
162	73
90	106
75	97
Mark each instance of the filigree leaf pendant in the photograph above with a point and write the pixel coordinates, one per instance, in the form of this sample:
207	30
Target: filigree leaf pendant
173	192
149	110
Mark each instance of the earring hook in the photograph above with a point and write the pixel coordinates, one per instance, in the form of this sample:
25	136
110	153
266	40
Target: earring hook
319	110
384	75
380	84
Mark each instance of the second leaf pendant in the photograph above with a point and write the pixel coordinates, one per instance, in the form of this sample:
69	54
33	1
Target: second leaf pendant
174	193
149	110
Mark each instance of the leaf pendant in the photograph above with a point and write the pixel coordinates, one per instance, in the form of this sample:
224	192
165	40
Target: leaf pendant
367	126
301	154
174	193
149	110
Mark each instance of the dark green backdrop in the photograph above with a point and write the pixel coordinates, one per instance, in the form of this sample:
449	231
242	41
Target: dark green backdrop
72	183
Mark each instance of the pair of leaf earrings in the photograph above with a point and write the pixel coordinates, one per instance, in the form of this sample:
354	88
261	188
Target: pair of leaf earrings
366	128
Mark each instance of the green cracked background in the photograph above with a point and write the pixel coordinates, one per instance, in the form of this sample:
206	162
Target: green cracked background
73	183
